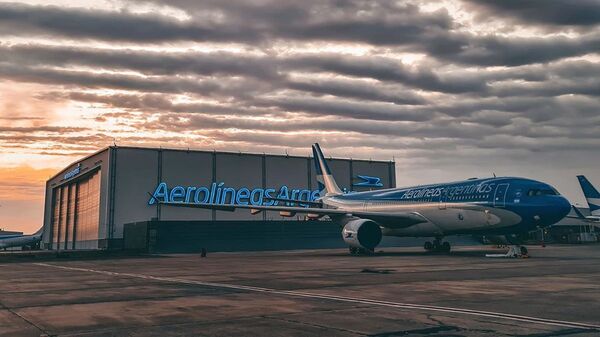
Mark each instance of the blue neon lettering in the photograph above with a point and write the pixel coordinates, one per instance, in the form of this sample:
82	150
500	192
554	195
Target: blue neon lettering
269	194
176	193
241	198
257	201
73	172
188	194
283	194
231	192
218	194
197	195
161	192
314	195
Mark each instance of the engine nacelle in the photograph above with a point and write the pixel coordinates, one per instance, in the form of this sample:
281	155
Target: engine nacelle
362	233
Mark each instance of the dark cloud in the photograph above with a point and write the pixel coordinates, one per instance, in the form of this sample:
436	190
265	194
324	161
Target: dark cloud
554	12
494	50
358	90
376	23
143	61
106	80
353	74
20	19
385	69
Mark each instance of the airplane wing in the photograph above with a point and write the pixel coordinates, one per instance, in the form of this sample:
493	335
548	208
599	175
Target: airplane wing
389	220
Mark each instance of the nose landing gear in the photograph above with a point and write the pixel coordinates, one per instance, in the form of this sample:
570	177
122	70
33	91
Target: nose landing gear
437	246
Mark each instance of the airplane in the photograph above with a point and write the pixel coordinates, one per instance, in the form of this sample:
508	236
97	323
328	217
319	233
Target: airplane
20	240
592	196
498	207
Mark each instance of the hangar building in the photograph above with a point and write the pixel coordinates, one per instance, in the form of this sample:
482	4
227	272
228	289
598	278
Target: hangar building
91	203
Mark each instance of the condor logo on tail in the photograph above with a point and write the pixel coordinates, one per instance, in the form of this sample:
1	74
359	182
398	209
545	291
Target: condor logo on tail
368	181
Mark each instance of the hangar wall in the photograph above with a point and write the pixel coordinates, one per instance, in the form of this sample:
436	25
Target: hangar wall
129	174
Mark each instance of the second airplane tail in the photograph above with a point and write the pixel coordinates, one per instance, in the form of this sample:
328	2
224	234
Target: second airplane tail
591	194
324	176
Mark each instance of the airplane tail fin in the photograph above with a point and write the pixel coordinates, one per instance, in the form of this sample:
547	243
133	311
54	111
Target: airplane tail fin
324	176
39	232
591	194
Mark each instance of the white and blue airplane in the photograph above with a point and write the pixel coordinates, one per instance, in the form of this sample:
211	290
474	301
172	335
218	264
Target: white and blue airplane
496	207
20	240
592	196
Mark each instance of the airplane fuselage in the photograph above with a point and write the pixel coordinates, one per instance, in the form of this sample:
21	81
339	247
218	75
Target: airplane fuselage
18	240
476	206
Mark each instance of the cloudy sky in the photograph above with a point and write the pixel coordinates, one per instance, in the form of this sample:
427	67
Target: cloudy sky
449	89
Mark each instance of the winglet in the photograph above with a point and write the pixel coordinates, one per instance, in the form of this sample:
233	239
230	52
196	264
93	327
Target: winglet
324	176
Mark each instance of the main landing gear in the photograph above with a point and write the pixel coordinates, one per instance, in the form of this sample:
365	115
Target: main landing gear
437	246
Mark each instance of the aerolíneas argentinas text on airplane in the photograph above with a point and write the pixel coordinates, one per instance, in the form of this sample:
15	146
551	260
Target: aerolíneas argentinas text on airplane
495	207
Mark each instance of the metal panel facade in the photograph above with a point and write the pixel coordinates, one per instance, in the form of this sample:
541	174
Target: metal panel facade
136	174
238	171
191	170
290	172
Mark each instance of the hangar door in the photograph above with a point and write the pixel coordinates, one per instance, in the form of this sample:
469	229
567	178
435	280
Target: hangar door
76	213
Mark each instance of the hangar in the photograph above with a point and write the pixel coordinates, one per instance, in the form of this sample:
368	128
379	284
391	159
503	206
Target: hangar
93	202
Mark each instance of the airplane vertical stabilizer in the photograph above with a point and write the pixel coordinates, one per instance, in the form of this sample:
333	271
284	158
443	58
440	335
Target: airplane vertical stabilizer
318	173
324	176
39	232
591	194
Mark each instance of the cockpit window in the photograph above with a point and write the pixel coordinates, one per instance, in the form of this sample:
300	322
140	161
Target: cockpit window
540	192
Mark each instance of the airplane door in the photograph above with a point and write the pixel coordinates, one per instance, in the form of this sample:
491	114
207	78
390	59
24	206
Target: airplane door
500	195
443	198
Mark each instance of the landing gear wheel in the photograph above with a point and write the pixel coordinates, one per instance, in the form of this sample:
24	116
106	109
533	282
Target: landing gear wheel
445	247
428	246
361	251
524	251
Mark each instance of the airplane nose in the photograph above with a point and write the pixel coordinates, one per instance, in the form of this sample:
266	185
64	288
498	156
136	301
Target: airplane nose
565	207
562	207
555	209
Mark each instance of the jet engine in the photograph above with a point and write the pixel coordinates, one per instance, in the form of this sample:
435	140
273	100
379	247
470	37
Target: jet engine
362	234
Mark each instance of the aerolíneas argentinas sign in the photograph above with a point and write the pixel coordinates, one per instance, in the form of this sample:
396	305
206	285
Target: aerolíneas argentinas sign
218	193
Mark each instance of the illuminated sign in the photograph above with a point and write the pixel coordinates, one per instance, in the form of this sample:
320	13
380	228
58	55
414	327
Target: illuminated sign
368	181
218	193
73	172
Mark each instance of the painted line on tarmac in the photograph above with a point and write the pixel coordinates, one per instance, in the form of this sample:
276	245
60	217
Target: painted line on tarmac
400	305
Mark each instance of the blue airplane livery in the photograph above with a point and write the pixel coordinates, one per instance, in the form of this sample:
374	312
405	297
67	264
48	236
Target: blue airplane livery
498	207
